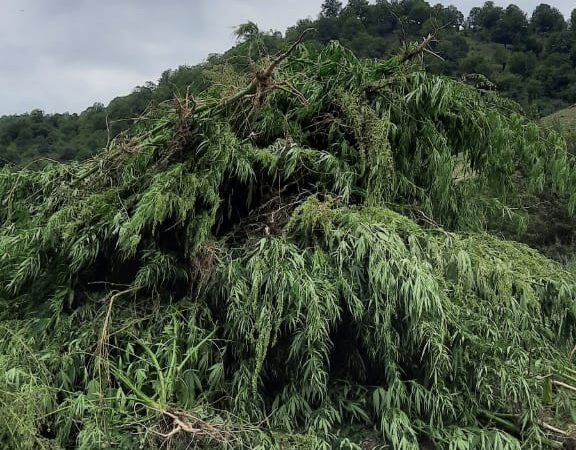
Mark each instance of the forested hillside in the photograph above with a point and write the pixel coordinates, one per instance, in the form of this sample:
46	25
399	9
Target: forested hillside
530	59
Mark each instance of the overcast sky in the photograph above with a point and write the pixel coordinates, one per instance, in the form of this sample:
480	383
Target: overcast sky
64	55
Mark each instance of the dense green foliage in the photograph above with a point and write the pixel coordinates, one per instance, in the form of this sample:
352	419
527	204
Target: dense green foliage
564	121
296	264
550	229
531	60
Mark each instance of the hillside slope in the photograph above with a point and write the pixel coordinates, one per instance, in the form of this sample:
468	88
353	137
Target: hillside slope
565	122
566	118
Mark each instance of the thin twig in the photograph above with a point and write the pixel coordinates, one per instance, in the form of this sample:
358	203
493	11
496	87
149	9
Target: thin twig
549	427
564	385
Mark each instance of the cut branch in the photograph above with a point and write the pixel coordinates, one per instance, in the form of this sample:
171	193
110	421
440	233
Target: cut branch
419	49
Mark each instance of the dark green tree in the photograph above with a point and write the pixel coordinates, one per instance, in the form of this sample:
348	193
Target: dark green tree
358	8
476	64
449	16
331	8
522	63
545	19
413	14
382	20
486	17
559	42
511	27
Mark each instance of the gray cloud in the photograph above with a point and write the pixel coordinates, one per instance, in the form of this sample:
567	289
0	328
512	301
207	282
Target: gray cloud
64	55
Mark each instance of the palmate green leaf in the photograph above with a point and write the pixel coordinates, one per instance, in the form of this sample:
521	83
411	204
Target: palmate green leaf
308	262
